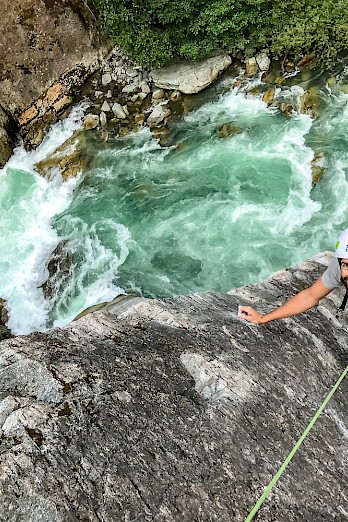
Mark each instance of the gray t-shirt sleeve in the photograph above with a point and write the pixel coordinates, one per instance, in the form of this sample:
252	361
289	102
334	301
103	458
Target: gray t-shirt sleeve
332	275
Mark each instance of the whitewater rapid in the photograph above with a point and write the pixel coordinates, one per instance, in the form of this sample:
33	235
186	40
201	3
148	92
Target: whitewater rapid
205	213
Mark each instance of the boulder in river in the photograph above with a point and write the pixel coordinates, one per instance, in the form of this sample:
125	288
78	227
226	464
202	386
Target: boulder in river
269	95
69	159
190	77
229	129
310	102
60	267
318	166
158	114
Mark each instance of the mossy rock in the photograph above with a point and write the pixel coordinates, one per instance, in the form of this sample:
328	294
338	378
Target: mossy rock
69	159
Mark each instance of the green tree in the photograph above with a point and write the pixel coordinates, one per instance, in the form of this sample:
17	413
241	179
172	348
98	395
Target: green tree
154	31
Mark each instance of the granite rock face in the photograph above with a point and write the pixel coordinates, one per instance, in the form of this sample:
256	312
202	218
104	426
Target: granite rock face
177	410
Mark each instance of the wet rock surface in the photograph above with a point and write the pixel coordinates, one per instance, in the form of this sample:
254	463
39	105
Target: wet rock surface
7	132
177	410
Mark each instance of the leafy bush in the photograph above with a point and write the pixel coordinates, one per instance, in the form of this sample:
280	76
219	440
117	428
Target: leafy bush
319	26
153	31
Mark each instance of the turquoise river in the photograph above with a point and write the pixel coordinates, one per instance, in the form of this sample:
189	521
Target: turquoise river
203	213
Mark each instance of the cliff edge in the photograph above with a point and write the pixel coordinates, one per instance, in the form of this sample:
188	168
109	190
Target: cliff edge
177	410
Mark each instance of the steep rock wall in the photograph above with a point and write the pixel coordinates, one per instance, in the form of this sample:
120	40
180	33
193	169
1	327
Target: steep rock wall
177	410
39	41
43	42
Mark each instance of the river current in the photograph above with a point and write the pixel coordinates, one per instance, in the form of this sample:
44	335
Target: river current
203	213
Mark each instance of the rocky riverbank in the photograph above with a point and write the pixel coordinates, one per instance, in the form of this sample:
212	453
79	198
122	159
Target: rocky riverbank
177	410
43	73
122	97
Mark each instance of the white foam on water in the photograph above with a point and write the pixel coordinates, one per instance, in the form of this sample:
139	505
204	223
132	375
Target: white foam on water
27	237
252	229
235	103
91	280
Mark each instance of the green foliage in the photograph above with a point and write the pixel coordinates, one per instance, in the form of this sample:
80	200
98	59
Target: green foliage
153	31
322	26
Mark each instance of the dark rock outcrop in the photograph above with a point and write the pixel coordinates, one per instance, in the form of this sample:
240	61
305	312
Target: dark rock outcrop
4	331
7	129
177	410
47	50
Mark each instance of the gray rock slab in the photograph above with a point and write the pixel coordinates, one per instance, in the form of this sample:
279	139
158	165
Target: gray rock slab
190	77
177	410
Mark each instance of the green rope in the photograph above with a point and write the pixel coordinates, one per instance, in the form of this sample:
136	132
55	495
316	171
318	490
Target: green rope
293	451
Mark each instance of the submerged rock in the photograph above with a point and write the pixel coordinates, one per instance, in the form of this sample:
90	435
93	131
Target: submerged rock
318	166
286	107
176	262
177	410
229	129
310	102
